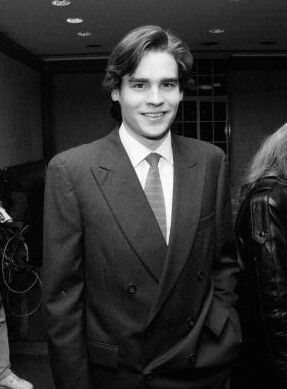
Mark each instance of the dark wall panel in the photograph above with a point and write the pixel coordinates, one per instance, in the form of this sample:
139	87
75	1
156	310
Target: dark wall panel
258	108
81	110
20	113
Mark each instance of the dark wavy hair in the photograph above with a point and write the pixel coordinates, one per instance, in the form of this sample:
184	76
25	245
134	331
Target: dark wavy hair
128	53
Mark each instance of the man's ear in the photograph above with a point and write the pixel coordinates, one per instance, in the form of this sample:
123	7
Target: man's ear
115	94
181	96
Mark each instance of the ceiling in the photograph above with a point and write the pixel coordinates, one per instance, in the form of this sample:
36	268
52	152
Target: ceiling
252	27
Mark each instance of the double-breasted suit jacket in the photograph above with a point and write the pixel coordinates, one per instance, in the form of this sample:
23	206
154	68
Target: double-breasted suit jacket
124	310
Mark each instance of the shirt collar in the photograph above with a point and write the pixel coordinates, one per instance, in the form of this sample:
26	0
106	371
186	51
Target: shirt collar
137	152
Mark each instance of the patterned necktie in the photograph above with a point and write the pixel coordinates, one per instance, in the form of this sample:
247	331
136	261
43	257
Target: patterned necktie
154	192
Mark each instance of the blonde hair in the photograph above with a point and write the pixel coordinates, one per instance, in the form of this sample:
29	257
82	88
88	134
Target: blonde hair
271	158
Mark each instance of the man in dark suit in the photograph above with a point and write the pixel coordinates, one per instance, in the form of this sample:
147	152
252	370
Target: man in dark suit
139	265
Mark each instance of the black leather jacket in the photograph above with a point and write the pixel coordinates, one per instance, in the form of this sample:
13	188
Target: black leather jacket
261	229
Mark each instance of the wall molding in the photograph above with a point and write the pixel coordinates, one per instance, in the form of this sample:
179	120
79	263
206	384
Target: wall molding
19	53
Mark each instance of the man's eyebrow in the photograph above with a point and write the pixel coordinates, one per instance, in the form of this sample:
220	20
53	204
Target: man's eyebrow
168	79
134	79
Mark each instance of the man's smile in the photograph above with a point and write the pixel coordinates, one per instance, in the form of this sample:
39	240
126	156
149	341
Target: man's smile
154	115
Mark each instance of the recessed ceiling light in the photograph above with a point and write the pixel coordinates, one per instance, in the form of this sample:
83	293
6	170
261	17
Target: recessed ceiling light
216	31
61	3
209	44
205	87
270	43
84	33
75	20
94	46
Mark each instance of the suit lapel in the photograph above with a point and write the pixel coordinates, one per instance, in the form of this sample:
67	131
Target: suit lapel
189	175
126	199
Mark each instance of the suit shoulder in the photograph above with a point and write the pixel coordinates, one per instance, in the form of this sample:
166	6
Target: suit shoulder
72	155
78	155
203	148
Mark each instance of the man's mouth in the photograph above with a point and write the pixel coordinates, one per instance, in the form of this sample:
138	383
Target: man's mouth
154	115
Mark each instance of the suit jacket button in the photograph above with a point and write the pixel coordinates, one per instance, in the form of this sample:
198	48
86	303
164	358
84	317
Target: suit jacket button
200	276
192	359
149	334
149	376
190	321
132	288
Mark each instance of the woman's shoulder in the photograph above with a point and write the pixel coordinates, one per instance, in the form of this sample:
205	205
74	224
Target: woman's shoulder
267	203
270	190
260	198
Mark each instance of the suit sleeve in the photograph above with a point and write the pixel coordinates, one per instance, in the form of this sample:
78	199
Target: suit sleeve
63	280
226	267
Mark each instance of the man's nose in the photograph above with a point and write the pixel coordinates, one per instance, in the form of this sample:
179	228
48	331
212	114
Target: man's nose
155	96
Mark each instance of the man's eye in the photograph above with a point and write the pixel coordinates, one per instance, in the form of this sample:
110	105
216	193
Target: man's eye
138	85
169	84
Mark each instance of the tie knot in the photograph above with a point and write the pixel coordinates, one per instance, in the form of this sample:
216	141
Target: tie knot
153	159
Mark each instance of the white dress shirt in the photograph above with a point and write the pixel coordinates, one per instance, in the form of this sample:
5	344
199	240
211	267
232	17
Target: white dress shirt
137	153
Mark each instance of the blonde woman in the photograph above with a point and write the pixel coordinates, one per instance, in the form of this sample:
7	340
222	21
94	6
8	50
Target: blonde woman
261	228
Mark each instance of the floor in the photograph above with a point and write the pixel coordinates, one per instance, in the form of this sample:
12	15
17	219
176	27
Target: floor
34	369
30	361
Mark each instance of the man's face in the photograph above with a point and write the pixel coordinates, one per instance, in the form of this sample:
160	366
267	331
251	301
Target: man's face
149	98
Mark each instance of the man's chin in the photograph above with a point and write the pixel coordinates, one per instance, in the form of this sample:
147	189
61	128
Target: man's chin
158	136
154	133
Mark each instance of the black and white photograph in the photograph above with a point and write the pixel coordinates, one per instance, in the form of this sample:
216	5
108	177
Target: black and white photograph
143	194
